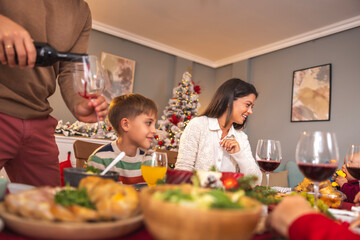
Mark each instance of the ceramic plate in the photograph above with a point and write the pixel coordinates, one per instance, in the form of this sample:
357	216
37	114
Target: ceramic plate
17	187
344	215
64	230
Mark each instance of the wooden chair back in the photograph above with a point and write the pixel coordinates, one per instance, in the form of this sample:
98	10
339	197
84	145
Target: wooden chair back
83	150
172	157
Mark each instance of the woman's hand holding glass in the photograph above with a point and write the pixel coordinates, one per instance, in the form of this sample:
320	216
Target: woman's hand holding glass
153	167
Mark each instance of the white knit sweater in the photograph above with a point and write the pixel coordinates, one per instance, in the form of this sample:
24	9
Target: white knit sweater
199	144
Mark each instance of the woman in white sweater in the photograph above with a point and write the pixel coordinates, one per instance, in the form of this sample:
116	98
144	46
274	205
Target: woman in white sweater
216	137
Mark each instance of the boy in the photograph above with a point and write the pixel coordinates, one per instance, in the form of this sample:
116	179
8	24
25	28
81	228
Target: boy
133	117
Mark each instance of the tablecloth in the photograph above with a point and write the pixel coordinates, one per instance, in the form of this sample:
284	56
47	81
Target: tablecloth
141	234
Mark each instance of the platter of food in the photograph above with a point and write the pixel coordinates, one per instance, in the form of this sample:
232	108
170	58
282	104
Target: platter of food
70	230
98	209
327	193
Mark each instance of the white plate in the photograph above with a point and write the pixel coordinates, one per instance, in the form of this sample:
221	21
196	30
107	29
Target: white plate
17	187
282	189
344	215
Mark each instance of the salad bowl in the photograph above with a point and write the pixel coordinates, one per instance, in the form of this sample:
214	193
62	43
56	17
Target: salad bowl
168	220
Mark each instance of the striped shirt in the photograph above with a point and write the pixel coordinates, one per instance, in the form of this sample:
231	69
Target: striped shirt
129	168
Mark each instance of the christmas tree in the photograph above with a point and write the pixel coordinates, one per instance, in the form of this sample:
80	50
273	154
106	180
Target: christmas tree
179	111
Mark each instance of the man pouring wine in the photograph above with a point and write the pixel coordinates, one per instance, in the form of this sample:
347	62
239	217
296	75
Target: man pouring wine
28	149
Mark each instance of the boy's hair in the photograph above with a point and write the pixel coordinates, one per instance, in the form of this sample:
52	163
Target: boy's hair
129	106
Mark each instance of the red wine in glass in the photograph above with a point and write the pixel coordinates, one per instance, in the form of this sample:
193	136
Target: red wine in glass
89	82
352	161
87	95
354	171
317	156
268	165
317	172
268	156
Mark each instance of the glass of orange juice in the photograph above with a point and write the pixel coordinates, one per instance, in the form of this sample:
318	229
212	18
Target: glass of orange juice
153	167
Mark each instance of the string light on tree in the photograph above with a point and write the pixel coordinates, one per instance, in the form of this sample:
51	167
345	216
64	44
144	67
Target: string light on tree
181	108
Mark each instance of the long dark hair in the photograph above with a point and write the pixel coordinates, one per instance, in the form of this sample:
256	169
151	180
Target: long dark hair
224	98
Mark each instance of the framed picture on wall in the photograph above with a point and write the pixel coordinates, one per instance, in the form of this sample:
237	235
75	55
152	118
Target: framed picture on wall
311	94
121	75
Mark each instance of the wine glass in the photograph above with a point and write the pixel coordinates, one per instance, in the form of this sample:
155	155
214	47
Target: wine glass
352	161
153	167
317	157
268	156
89	82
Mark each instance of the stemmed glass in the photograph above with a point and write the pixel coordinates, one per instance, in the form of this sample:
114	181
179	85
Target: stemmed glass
268	156
153	167
317	157
352	161
89	82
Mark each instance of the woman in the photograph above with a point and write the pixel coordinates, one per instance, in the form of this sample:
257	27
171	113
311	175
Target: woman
216	137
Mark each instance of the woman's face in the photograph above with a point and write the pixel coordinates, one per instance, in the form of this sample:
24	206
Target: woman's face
242	108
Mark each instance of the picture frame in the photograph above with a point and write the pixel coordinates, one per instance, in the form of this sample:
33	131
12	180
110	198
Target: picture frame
311	94
120	72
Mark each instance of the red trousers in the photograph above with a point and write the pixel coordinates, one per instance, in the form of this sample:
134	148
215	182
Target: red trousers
28	150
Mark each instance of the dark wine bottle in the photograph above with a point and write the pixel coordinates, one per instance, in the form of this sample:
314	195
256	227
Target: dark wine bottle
46	55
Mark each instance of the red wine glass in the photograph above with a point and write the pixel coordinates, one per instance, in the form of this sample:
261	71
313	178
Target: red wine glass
317	157
352	161
89	82
268	156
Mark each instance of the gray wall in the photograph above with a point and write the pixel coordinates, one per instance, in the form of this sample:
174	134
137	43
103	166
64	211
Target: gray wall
272	76
156	73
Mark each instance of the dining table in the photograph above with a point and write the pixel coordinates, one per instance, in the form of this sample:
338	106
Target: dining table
173	177
143	234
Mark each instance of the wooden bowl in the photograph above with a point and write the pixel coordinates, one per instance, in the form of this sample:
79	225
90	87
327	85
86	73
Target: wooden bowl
166	220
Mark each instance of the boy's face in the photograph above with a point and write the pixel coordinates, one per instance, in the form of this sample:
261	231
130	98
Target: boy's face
142	130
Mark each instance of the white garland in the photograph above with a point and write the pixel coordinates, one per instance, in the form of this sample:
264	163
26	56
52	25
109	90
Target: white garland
82	129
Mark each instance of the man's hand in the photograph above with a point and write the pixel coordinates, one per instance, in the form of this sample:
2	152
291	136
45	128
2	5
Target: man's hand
87	111
286	212
15	39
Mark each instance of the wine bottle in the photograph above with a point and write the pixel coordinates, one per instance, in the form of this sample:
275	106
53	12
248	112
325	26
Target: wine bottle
46	55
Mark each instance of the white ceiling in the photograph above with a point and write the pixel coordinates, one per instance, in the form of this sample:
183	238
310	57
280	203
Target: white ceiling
219	32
